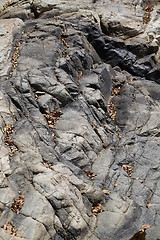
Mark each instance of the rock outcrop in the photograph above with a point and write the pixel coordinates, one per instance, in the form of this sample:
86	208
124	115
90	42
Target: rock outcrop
79	120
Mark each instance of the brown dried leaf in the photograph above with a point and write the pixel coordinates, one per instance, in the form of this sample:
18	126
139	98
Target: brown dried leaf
115	91
149	205
17	205
53	117
146	226
116	185
128	169
107	192
11	230
15	57
112	111
89	174
129	79
8	141
8	129
64	42
13	150
53	136
47	164
80	74
97	209
51	126
36	96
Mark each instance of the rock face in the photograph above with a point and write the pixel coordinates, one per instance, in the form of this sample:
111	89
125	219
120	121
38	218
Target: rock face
79	120
9	28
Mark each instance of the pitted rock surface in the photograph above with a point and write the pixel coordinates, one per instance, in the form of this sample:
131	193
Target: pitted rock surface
79	120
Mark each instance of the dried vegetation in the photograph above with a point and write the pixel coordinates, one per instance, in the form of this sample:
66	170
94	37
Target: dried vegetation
8	129
147	8
89	174
53	117
128	169
10	229
97	209
18	203
111	106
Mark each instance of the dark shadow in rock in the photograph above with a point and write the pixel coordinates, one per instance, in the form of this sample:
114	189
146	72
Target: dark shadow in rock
141	49
34	11
139	236
154	74
139	60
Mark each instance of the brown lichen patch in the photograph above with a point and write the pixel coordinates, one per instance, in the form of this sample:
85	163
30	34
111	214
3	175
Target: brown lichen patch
17	205
128	169
97	209
53	117
89	174
10	229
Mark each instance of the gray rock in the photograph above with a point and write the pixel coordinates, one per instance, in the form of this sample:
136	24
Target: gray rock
117	212
153	74
79	120
6	236
9	28
56	185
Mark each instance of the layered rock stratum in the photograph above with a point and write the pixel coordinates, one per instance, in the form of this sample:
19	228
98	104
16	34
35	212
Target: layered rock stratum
79	120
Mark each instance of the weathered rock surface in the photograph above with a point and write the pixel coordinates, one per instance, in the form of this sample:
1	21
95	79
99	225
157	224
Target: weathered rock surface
9	28
79	119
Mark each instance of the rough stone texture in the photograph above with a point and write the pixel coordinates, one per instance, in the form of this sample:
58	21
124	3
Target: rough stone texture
79	120
9	28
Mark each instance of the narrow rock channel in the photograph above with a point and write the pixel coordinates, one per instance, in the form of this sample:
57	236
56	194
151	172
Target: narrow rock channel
79	120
